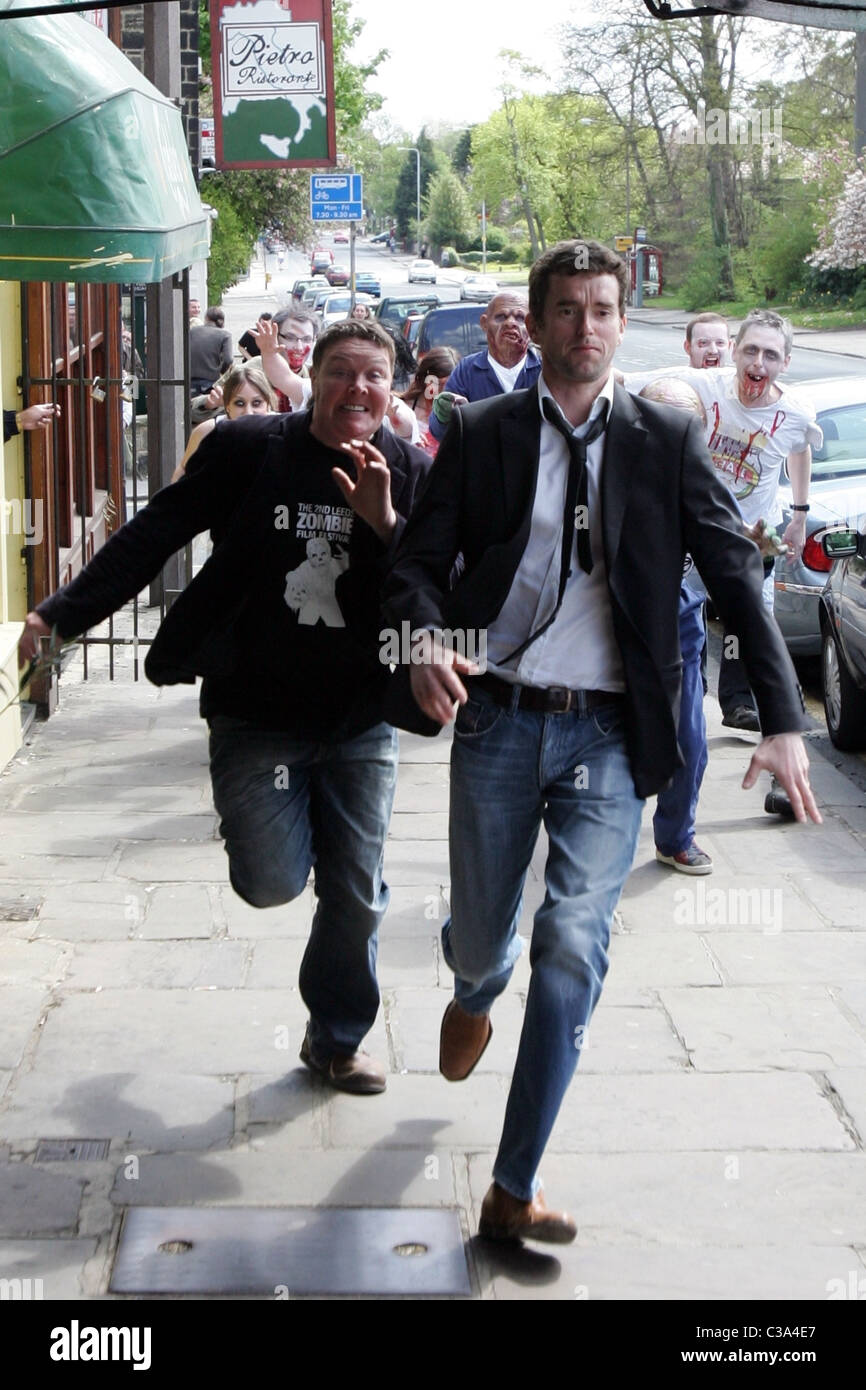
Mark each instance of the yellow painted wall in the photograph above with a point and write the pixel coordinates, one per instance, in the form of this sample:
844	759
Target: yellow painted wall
13	521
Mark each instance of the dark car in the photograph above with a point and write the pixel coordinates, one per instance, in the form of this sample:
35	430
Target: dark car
337	275
843	637
456	326
368	282
395	307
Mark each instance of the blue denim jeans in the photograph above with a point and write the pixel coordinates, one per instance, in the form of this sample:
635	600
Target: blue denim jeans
287	806
677	804
511	772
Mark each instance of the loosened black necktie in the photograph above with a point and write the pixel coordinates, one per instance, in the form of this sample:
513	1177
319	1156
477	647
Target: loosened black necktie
577	487
576	495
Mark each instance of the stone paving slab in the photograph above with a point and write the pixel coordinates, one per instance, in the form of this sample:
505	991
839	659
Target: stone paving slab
417	862
149	800
417	825
423	1111
746	1028
651	903
21	1007
149	861
170	911
35	1200
163	1111
30	962
215	1034
273	1171
242	921
839	898
691	1111
681	1199
59	1265
38	868
829	956
151	965
616	1274
86	832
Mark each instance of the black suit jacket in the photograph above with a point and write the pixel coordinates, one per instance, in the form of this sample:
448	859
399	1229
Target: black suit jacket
660	498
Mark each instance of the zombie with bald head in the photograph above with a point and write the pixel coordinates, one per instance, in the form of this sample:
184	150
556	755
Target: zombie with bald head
508	363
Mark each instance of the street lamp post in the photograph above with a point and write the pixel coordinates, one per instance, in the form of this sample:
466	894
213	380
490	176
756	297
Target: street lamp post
413	149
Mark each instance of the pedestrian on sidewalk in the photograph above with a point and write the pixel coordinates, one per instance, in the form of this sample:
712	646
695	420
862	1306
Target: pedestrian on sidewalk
573	505
283	623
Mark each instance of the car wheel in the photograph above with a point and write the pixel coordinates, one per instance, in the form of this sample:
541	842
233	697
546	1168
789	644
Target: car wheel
844	703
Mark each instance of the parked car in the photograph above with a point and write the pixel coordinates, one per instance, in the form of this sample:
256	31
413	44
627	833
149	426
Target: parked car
421	272
380	239
480	287
333	307
337	275
456	326
395	307
842	613
837	497
318	285
368	282
300	286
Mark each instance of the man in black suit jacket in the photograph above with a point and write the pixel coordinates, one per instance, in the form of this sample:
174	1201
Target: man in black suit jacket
574	720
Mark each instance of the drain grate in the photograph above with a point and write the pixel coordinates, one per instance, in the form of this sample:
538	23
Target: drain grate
71	1150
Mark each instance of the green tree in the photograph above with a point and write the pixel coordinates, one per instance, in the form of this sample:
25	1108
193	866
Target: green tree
448	213
405	200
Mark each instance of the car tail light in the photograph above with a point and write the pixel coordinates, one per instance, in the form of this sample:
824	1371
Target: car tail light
813	554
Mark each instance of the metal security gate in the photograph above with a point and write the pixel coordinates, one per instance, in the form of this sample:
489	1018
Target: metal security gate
115	358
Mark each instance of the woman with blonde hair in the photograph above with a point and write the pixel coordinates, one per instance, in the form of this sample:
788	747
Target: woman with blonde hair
246	391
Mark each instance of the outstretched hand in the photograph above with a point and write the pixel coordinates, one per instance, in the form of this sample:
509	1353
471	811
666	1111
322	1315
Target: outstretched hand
784	755
370	494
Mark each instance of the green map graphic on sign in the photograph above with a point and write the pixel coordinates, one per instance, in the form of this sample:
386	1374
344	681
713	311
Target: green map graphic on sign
278	129
273	86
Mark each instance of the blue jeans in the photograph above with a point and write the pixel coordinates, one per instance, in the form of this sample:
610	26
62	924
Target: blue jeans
287	806
677	804
511	772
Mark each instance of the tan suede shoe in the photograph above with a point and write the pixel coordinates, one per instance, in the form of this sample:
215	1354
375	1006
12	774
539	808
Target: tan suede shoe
462	1041
504	1217
358	1073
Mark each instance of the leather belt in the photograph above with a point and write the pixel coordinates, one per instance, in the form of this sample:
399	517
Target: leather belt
551	699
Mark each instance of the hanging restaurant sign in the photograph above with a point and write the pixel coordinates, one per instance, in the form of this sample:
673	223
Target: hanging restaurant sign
273	83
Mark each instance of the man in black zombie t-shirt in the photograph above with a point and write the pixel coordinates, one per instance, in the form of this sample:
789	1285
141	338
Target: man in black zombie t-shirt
283	624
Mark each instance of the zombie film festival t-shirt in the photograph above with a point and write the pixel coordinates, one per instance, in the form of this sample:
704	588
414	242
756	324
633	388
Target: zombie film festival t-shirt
304	668
748	444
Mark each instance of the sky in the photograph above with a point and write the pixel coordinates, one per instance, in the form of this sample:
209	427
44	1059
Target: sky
443	64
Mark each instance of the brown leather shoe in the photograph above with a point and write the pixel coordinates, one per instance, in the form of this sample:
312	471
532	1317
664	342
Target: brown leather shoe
504	1217
462	1041
358	1073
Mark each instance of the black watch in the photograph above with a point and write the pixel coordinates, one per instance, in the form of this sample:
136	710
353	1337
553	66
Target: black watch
799	506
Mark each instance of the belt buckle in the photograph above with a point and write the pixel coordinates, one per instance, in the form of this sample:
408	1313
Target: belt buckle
563	698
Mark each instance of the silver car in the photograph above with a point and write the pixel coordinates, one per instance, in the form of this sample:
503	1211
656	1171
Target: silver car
837	497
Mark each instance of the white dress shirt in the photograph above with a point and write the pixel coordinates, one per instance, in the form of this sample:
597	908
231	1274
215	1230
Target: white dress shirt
578	650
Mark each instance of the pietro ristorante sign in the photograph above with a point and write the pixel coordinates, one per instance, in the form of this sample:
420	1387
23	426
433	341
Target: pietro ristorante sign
273	83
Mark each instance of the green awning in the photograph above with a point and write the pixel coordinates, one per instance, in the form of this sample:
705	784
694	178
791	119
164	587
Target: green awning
95	178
